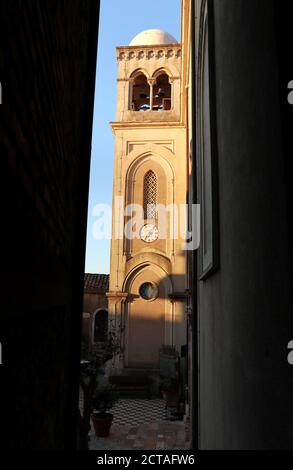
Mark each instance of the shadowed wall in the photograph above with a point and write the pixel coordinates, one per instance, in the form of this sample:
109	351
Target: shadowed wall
245	309
47	71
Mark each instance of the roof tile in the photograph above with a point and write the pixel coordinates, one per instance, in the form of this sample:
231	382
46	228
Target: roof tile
96	281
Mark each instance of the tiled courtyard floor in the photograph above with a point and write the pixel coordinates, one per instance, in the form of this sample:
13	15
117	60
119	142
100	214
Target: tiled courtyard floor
161	435
141	424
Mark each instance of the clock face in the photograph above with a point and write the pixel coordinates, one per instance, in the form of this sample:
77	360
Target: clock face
149	233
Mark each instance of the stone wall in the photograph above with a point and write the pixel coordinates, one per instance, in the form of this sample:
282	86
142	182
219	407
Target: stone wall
47	72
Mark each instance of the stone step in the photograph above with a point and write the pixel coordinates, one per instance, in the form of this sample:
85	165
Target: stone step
132	386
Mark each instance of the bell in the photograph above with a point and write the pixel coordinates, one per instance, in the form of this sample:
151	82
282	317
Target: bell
160	93
143	95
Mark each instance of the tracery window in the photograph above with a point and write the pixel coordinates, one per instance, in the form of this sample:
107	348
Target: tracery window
150	188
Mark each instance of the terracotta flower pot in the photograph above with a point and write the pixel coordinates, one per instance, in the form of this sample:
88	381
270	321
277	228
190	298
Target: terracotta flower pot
102	423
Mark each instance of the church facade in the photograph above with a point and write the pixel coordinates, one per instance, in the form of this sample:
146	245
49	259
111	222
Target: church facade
147	286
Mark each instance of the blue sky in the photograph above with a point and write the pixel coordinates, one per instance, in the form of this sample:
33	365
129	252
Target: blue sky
120	21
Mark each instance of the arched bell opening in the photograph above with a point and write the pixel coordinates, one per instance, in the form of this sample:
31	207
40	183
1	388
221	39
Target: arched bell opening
140	93
162	93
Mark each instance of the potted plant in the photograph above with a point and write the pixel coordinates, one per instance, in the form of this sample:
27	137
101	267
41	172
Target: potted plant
94	360
104	398
170	389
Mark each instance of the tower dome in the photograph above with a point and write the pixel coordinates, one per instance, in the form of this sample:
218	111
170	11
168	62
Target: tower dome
151	37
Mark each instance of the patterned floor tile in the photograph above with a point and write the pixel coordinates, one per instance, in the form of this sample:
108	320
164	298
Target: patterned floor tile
138	411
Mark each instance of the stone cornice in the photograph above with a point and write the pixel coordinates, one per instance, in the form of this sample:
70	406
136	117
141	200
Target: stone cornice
116	294
151	124
127	79
148	52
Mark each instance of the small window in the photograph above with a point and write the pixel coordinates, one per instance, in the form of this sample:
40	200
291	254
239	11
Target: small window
148	291
101	326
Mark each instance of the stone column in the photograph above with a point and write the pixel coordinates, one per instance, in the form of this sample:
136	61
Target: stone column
116	324
151	82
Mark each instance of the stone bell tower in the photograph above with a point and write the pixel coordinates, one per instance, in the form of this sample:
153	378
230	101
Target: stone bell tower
147	272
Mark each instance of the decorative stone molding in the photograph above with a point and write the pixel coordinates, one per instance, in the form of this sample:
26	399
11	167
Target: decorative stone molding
116	295
151	81
160	54
148	52
131	55
140	55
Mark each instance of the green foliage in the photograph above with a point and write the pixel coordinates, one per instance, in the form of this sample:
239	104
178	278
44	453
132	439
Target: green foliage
169	383
105	397
94	358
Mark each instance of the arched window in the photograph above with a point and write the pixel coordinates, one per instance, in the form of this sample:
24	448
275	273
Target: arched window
162	93
100	326
150	195
140	96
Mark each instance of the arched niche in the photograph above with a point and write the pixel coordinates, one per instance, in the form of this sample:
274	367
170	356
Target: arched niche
148	322
134	194
100	325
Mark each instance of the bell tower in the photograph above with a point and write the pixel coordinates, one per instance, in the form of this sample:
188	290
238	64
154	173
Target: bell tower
147	270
